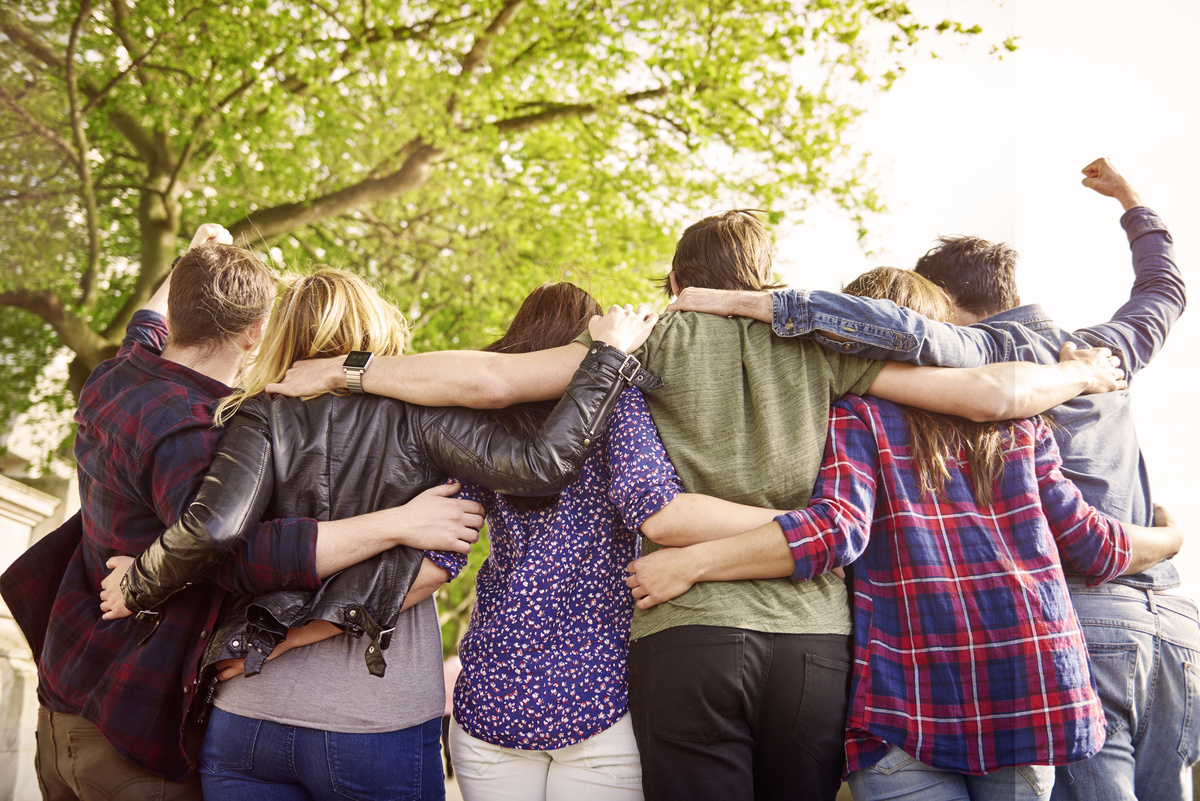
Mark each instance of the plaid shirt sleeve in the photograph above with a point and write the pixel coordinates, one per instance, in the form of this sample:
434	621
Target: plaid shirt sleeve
1093	544
147	328
278	555
834	529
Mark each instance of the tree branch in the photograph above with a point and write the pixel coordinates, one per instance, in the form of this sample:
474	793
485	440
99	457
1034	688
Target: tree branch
475	57
483	45
267	224
571	111
19	197
120	14
72	329
41	130
28	41
87	283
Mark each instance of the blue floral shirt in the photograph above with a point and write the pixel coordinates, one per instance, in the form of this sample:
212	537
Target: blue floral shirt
544	658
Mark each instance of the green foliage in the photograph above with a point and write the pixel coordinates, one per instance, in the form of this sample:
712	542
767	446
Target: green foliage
456	598
459	153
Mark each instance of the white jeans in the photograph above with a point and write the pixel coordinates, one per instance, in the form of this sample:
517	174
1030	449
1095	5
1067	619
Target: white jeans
605	767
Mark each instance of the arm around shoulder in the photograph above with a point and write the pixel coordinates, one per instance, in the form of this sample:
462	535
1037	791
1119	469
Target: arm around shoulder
479	450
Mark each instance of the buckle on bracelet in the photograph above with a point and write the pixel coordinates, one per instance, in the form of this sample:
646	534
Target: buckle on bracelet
633	374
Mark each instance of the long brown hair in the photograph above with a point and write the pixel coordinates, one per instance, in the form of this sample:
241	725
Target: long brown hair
935	438
551	316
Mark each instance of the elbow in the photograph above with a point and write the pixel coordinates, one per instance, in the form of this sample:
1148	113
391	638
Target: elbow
999	400
488	389
658	532
991	410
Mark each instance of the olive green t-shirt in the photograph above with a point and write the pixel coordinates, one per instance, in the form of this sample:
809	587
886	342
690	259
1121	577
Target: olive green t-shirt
743	415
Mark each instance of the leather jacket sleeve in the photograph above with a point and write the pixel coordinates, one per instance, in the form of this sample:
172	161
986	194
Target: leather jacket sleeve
232	499
470	446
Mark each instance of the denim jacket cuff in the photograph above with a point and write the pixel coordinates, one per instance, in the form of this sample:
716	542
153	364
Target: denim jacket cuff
790	315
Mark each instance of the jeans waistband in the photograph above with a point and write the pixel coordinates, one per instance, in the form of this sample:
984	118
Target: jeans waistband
1079	584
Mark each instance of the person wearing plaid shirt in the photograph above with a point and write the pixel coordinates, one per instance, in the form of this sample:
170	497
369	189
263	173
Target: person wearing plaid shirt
968	656
145	440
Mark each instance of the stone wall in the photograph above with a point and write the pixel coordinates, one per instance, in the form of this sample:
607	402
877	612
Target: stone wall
26	514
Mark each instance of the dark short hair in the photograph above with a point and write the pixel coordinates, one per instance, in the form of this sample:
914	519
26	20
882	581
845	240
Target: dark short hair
217	292
979	275
730	250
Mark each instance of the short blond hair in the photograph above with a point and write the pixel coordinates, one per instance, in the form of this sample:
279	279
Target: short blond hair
327	313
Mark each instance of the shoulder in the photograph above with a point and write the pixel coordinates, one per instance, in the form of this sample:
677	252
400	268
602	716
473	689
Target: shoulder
136	418
631	419
866	408
1028	333
632	403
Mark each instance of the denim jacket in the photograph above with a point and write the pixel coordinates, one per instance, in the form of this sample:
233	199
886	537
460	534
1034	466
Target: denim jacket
1095	433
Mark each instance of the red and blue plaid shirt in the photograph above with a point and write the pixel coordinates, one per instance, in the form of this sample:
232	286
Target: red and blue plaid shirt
145	441
967	651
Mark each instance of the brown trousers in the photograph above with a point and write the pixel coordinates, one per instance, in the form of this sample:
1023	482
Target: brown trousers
75	763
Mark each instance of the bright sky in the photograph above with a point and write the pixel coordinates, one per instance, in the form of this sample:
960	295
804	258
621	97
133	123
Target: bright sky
974	144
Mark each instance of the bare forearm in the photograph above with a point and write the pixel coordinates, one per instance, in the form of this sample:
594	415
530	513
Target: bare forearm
1030	389
692	518
158	301
1150	546
342	543
475	379
429	578
725	302
432	521
999	391
761	553
309	633
670	572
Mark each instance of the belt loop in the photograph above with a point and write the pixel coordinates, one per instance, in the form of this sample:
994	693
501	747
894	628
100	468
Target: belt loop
1153	603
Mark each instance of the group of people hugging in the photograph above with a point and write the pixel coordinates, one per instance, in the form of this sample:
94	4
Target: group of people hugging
900	536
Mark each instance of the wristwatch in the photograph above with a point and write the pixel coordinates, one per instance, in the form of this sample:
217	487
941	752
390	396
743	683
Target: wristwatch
355	365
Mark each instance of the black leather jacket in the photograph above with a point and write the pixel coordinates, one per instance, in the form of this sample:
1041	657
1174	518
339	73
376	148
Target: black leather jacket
334	457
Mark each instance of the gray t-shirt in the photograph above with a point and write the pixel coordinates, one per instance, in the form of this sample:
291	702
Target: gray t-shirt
326	685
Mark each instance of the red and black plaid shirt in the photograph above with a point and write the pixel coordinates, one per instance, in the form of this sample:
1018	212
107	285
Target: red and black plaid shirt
967	652
144	443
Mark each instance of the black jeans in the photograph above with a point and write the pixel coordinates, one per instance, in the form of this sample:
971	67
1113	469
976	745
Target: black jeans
731	714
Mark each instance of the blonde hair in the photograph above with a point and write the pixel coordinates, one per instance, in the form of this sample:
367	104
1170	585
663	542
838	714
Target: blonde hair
935	438
328	313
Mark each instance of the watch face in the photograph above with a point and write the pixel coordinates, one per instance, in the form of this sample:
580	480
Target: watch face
357	359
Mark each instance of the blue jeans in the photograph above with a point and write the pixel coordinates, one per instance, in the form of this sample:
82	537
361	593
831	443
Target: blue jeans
1145	654
899	776
247	758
